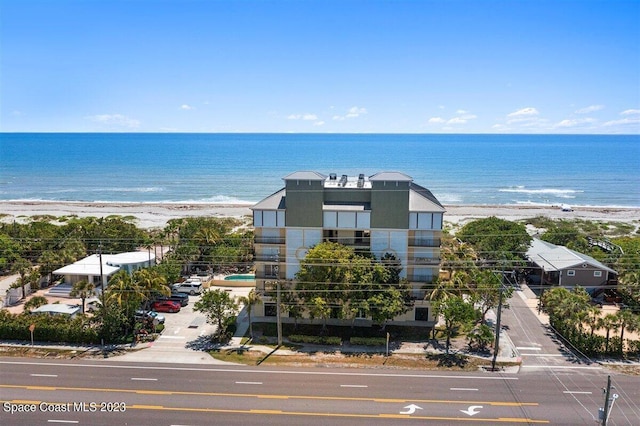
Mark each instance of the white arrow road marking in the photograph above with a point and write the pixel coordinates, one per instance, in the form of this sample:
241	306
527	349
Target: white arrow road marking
411	409
472	410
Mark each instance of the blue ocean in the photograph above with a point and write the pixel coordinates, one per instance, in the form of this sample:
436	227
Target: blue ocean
580	170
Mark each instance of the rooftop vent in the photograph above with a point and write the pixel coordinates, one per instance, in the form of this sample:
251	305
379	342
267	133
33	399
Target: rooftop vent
333	176
343	180
360	180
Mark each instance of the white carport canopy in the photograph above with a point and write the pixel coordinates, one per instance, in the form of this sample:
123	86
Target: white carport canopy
89	266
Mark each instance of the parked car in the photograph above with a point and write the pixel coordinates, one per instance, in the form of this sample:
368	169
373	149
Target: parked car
175	296
165	306
188	287
141	314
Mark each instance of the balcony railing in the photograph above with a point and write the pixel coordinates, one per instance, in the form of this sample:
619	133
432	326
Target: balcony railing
427	279
267	275
424	242
269	240
426	261
267	258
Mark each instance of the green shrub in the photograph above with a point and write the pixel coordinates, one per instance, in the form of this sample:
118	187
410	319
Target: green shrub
316	340
368	341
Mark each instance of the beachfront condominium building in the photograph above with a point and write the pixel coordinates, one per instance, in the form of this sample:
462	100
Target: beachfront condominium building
383	213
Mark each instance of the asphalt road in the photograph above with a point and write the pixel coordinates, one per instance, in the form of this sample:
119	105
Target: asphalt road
114	393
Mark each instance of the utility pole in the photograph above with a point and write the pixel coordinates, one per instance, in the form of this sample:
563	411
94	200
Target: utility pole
496	347
278	316
606	411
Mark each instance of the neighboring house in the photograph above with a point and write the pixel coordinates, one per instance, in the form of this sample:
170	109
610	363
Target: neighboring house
383	213
560	266
58	309
89	269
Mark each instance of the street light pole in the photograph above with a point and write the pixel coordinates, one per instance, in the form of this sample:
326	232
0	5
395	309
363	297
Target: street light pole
496	346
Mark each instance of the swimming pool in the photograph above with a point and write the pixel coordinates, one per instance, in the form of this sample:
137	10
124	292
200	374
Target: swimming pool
240	277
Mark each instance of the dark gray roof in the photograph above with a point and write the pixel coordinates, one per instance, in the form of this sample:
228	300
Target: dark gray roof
275	201
421	199
305	175
390	176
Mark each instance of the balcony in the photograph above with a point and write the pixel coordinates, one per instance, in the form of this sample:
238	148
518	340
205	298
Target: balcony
269	275
424	242
427	279
269	240
426	261
267	258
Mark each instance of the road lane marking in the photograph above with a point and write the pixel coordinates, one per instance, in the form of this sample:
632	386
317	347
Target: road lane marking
544	355
62	421
354	386
43	375
248	383
253	372
578	392
561	367
463	389
528	348
171	337
346	415
144	378
277	396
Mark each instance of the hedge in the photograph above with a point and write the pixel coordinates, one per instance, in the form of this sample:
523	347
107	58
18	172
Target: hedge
315	340
47	328
368	341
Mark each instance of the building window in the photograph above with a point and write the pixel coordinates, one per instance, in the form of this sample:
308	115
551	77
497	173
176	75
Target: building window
597	274
571	273
422	314
270	310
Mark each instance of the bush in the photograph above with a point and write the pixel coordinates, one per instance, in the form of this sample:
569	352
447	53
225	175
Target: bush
316	340
368	341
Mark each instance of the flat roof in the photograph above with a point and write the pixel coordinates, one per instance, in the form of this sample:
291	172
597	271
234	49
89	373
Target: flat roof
57	308
90	265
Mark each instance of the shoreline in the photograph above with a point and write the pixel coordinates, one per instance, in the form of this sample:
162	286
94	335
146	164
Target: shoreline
156	215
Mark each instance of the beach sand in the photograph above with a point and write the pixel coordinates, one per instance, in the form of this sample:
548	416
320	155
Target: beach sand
156	215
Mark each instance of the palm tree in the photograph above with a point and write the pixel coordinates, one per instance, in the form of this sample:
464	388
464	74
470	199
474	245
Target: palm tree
82	289
23	268
151	283
124	291
608	322
248	301
626	320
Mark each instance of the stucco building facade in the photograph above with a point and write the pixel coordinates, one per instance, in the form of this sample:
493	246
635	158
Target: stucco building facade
383	213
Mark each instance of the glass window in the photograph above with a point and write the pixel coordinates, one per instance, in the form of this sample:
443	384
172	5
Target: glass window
422	314
571	273
597	273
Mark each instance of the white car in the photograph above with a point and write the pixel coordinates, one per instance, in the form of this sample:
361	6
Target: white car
93	305
188	287
157	318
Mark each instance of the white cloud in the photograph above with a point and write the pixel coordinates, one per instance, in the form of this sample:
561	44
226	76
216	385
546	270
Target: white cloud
436	120
630	112
590	108
319	123
115	120
461	111
529	111
622	122
306	117
353	112
186	107
575	122
457	120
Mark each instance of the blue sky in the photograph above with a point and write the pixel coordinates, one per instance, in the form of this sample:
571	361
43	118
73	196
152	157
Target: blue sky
467	66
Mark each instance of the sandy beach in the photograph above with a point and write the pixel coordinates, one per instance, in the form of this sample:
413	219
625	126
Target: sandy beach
156	215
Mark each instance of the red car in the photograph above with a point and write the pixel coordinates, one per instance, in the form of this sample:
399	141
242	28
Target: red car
166	306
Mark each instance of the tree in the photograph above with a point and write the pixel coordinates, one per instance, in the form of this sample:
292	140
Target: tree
608	322
218	306
626	320
151	283
319	308
386	304
23	268
248	301
485	291
455	311
481	337
496	239
82	289
34	303
126	294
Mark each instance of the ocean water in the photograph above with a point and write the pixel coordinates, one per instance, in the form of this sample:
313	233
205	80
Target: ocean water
579	170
